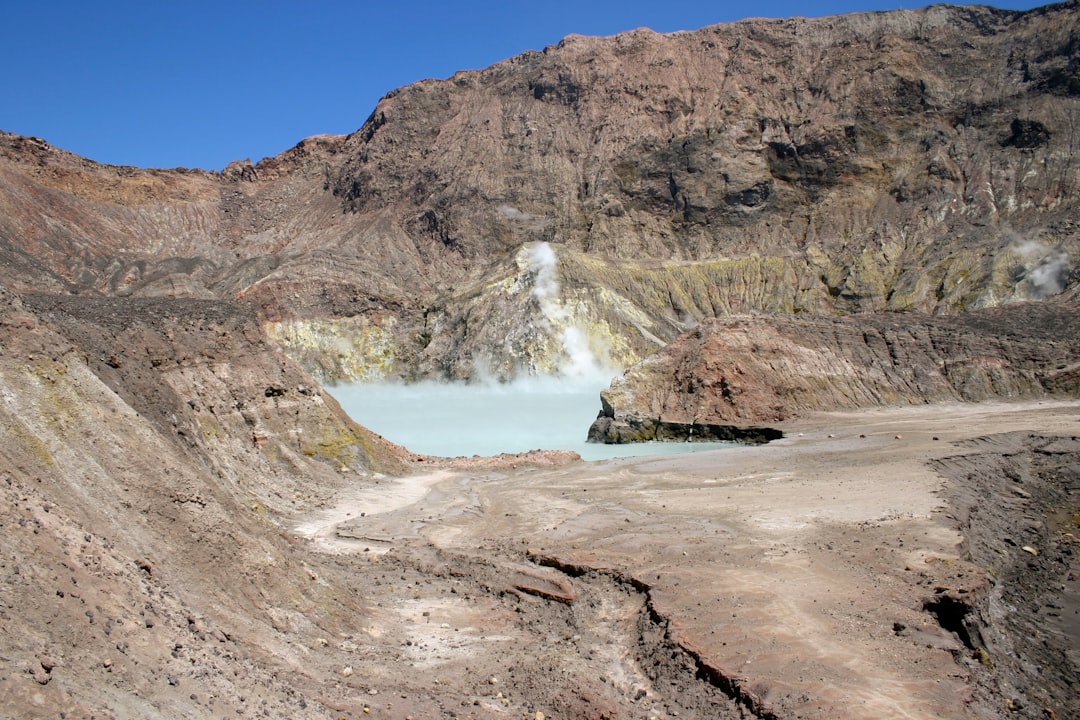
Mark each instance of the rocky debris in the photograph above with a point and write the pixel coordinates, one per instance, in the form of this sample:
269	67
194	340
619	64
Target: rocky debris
547	586
769	368
612	429
532	458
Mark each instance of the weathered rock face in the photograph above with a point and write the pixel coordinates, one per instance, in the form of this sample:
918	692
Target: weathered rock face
768	368
864	163
910	161
149	449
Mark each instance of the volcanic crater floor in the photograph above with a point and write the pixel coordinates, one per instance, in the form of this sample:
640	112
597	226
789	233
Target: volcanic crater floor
840	572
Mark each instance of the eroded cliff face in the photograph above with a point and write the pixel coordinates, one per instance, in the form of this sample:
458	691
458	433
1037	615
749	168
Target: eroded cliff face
912	161
150	449
759	369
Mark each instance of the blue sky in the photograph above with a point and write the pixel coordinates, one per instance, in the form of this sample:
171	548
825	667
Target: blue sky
200	83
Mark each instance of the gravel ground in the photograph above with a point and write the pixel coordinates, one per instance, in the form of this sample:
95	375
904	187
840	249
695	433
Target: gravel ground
844	571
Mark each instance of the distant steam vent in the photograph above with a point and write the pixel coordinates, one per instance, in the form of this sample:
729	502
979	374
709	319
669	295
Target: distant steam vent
577	358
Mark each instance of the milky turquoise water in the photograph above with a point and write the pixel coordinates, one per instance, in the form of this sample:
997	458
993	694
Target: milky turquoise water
455	419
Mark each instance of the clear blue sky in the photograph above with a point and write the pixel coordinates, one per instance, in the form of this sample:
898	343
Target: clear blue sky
199	83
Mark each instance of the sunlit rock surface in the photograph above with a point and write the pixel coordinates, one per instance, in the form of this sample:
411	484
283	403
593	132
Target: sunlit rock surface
917	160
840	211
753	369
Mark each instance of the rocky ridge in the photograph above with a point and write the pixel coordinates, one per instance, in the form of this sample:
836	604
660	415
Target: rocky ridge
911	161
149	448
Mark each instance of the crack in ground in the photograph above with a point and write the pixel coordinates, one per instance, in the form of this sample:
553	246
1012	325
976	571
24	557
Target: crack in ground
596	647
697	684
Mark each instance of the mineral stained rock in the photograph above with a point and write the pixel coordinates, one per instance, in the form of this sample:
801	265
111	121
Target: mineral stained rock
916	161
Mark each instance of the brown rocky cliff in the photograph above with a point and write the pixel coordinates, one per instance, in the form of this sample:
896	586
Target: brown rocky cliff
873	147
916	160
761	369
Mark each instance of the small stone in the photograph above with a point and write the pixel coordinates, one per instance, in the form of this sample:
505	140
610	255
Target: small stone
347	671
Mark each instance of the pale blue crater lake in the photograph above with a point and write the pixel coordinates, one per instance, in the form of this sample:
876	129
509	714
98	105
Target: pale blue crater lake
460	419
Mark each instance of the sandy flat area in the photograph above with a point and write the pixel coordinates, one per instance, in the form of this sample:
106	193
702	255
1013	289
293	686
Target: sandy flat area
784	580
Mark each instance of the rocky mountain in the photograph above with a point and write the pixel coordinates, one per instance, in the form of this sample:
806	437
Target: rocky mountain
917	160
148	449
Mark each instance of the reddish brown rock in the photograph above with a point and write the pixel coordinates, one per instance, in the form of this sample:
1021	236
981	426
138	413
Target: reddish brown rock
911	161
749	370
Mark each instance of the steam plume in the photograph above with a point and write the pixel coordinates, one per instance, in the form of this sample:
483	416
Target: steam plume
580	360
1046	269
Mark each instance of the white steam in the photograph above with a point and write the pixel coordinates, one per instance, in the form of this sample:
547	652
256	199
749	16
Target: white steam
512	213
579	360
1045	269
541	261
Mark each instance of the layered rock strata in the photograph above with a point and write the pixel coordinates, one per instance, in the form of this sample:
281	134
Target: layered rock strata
918	160
149	449
755	369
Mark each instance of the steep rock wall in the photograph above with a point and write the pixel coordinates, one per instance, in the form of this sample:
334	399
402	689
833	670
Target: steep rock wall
149	451
918	160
